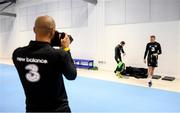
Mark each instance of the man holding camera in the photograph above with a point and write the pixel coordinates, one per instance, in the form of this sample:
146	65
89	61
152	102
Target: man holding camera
40	68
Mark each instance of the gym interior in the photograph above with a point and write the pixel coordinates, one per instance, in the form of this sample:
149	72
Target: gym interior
97	27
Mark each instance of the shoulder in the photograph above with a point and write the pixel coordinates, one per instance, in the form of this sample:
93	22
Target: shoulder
117	46
148	44
158	44
18	50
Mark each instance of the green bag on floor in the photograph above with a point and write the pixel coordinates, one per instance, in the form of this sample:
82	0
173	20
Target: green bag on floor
120	69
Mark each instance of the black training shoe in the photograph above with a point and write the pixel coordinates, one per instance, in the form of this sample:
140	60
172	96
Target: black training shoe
150	84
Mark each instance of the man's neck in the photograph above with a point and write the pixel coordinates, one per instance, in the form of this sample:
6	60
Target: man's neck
153	41
43	39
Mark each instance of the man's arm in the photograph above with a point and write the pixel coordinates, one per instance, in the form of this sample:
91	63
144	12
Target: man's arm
159	49
69	69
116	52
122	50
146	51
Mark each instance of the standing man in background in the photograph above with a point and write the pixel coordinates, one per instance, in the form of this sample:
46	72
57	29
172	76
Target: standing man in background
41	69
120	65
118	50
153	50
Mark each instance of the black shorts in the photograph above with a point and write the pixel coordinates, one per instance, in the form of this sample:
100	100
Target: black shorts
152	61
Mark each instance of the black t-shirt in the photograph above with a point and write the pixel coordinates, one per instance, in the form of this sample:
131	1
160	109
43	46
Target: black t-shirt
40	68
118	50
152	48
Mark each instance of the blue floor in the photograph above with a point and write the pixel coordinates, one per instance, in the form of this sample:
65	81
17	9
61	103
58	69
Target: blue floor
91	95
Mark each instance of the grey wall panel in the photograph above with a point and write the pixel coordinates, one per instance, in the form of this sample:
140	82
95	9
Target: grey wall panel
22	23
79	13
64	19
92	1
66	13
165	10
79	17
64	4
137	11
6	24
22	11
115	12
78	3
52	6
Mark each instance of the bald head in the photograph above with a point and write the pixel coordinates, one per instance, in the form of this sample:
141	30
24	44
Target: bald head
44	27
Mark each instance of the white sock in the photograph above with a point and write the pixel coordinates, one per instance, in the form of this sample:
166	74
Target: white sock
149	78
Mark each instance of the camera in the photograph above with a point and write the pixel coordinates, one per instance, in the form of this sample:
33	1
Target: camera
56	40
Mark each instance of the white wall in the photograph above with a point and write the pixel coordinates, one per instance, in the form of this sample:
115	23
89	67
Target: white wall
179	49
97	40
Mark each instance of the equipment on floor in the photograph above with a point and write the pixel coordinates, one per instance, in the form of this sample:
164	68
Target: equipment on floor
168	78
120	67
136	72
156	76
120	70
84	63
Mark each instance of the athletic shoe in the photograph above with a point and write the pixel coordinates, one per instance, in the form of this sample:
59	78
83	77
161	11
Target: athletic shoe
118	74
150	83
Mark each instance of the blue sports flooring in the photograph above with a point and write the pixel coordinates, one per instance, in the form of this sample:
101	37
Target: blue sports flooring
92	95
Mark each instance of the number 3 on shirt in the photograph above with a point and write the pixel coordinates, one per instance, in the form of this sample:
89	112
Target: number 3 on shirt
33	74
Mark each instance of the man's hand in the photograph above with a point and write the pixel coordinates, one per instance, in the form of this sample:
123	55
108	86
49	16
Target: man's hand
145	61
65	42
155	54
124	54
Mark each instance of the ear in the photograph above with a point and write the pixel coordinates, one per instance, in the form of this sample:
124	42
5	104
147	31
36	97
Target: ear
51	33
34	29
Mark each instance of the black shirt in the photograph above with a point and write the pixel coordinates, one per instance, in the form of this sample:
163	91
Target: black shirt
152	48
40	68
118	50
